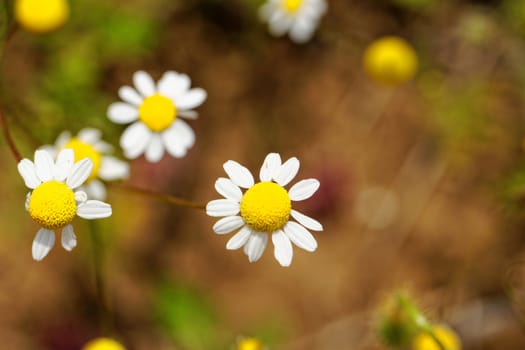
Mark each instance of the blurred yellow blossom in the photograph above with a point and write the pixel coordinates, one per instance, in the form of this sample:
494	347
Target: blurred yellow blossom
447	337
390	60
41	16
103	344
250	344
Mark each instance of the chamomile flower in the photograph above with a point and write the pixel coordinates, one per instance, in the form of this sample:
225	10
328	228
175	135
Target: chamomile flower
55	200
156	111
103	344
250	344
264	208
88	144
298	18
41	16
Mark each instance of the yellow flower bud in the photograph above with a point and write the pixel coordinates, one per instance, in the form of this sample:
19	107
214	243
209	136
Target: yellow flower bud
447	337
41	16
390	60
103	344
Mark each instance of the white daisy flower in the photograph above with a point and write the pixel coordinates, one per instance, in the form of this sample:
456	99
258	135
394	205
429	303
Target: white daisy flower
265	208
88	144
154	110
298	18
55	199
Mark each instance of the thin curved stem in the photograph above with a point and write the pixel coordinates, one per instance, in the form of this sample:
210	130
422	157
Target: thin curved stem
8	138
160	196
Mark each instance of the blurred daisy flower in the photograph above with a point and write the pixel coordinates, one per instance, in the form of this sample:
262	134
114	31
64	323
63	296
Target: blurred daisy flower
154	110
265	208
446	336
250	344
103	344
41	16
54	199
390	60
88	144
298	18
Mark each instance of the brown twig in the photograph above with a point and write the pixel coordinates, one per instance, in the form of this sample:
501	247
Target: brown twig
161	196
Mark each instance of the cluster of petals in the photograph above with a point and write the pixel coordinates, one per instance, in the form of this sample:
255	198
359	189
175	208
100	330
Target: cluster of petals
253	241
140	139
64	170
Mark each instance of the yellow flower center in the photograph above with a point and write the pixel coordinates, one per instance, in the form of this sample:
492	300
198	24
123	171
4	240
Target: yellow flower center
157	112
446	336
41	16
85	150
250	344
52	205
103	344
291	6
266	207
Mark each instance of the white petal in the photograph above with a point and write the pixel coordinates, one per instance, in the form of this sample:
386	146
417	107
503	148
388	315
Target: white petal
283	250
228	189
103	147
228	224
79	173
300	236
302	30
240	175
222	207
255	246
173	84
130	95
144	83
42	244
96	190
122	113
271	164
188	114
304	189
287	171
191	99
44	165
62	139
69	240
27	170
112	168
239	239
80	197
89	135
155	149
64	164
307	221
279	23
178	138
93	209
135	139
28	197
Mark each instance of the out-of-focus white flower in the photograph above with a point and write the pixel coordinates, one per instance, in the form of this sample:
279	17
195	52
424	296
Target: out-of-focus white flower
298	18
265	208
88	144
156	111
55	200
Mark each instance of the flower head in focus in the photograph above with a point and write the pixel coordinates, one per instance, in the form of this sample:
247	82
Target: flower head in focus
446	336
156	112
55	200
88	144
103	344
41	16
264	208
390	60
298	18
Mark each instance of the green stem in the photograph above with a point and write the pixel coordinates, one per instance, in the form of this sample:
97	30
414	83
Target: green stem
104	316
160	196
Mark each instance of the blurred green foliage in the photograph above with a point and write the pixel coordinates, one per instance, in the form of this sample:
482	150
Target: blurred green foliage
186	315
